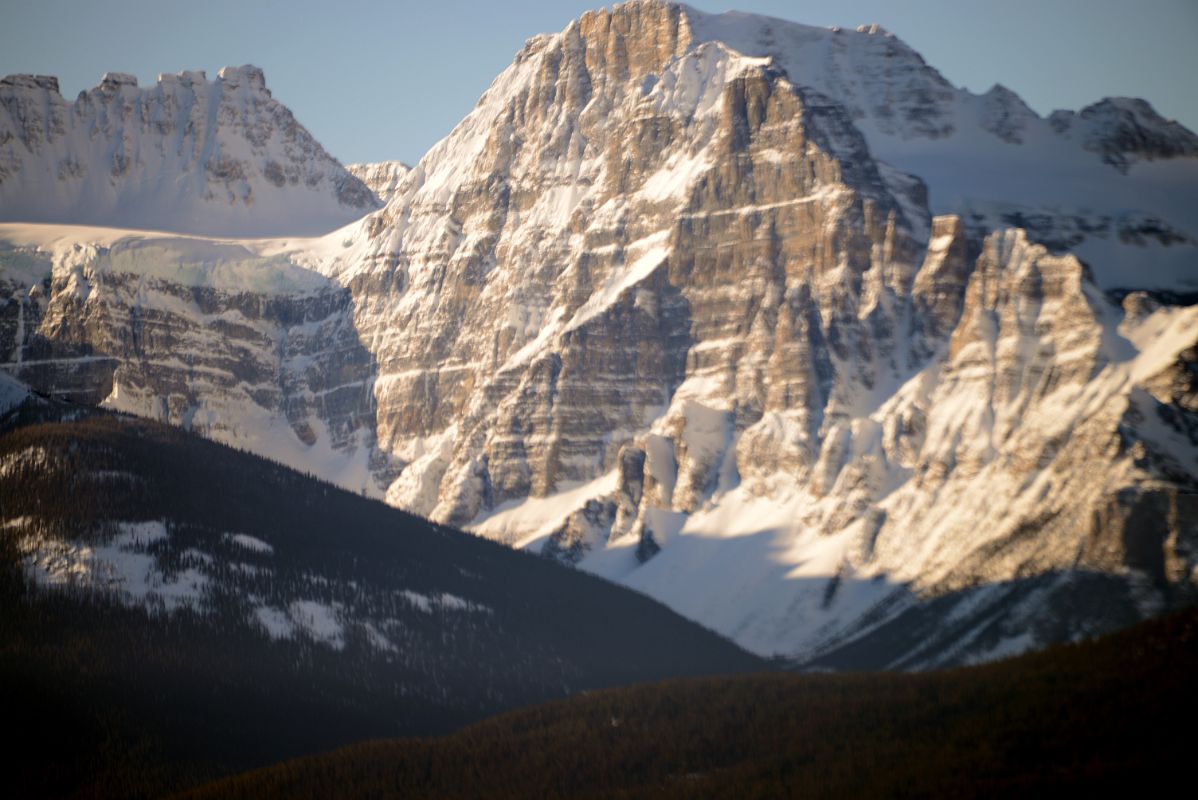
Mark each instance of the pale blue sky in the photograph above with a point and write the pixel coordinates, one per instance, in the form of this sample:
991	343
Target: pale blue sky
376	80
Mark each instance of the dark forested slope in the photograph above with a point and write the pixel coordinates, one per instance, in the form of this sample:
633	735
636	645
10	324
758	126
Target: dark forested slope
1107	715
173	609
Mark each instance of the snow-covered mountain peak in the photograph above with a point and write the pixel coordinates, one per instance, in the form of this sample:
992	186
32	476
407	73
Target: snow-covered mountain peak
245	75
876	75
1124	130
219	157
1000	96
1004	114
557	120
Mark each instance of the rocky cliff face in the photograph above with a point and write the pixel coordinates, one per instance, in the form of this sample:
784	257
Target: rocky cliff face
512	295
249	350
660	307
216	157
385	178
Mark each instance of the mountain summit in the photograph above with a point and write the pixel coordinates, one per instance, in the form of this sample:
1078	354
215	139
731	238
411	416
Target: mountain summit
219	157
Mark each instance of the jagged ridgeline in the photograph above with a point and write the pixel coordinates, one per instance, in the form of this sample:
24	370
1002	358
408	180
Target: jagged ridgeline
729	310
173	608
219	157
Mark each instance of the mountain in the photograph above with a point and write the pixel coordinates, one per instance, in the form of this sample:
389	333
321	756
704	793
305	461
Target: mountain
668	316
218	157
1114	183
185	604
1090	716
766	321
382	178
244	346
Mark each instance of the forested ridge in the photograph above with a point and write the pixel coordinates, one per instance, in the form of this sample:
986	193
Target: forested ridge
122	696
1098	716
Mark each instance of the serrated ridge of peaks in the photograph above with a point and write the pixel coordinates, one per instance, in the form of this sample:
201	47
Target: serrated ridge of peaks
47	83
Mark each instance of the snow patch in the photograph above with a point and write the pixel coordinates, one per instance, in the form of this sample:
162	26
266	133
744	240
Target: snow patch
247	542
320	621
443	601
519	522
275	621
124	566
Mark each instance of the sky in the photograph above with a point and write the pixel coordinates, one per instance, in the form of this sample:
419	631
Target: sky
386	80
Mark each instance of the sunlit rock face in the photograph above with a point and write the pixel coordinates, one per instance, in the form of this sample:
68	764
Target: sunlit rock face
622	211
678	303
384	178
